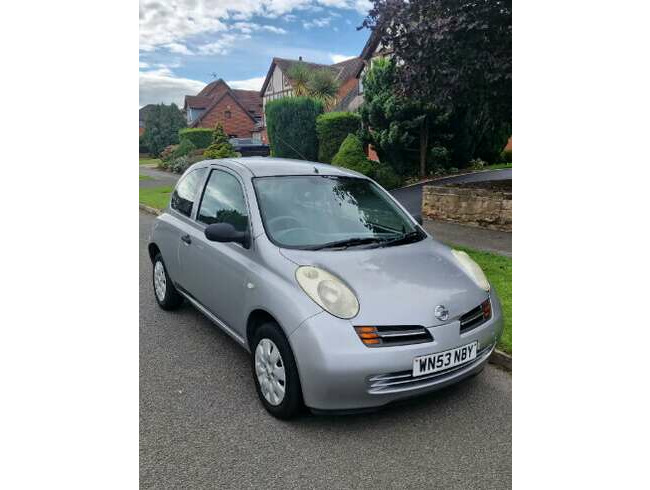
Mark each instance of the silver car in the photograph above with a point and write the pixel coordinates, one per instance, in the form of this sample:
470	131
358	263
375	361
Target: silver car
344	301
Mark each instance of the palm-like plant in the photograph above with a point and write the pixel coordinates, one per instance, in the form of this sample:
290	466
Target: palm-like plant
299	74
322	85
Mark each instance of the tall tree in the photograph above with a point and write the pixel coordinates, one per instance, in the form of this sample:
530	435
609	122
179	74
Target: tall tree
401	129
456	54
161	127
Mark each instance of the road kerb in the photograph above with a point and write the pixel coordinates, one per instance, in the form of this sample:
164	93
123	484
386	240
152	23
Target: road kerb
149	209
501	359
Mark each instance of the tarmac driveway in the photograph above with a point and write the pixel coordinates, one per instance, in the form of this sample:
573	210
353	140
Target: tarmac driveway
201	425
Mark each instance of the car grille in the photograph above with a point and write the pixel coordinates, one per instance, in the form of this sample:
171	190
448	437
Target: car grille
391	335
476	316
404	380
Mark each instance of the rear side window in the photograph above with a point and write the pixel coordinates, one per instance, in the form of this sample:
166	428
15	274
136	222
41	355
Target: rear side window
186	190
223	201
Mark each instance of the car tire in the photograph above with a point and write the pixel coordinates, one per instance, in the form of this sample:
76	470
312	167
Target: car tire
167	296
291	404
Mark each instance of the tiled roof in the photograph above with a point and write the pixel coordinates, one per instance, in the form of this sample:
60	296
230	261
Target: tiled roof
343	71
250	99
197	101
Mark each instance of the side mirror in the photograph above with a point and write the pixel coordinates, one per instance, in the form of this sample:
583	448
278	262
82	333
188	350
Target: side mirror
418	218
225	232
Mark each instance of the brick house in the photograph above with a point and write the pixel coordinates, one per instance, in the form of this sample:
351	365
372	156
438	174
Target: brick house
278	85
239	111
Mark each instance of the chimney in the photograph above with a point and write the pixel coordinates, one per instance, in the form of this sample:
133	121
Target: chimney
299	58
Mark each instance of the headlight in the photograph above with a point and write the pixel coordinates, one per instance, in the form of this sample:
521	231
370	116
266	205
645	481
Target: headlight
472	269
328	291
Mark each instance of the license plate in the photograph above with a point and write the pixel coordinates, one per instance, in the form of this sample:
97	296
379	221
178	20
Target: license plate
440	361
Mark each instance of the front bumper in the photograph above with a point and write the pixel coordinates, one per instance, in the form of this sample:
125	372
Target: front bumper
338	372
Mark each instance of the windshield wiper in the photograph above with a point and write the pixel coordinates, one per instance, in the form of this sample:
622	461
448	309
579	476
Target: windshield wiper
403	238
348	242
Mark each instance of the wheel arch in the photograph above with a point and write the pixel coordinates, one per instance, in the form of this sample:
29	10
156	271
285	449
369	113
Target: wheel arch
256	319
153	251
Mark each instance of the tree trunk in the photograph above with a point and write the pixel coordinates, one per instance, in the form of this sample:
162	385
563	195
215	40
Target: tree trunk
424	141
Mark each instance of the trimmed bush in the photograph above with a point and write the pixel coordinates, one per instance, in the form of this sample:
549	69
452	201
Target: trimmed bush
291	126
332	128
184	148
351	155
200	137
220	147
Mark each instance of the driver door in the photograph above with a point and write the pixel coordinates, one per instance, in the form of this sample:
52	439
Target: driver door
218	272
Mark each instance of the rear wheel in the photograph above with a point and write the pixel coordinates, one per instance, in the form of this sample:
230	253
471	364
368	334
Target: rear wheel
275	372
166	294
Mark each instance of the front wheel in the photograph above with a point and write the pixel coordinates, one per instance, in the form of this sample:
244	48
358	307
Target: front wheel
275	373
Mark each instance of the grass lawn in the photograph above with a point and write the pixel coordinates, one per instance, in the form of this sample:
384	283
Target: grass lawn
497	166
150	161
145	177
498	269
156	197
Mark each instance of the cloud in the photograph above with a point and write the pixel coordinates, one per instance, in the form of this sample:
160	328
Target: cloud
322	22
178	48
250	84
223	45
248	27
164	23
337	58
143	64
161	86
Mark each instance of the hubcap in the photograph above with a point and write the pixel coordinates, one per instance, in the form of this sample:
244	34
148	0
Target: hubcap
269	368
159	280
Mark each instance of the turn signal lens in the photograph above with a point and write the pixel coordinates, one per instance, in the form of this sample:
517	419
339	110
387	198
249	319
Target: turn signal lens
368	335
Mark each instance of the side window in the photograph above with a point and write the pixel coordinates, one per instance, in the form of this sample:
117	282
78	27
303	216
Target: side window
223	201
185	192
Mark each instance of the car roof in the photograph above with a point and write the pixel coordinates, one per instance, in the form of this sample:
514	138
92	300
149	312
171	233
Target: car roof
268	167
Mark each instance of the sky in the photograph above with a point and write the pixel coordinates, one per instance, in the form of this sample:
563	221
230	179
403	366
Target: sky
185	44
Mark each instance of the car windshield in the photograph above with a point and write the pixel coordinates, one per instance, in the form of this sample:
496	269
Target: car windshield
330	212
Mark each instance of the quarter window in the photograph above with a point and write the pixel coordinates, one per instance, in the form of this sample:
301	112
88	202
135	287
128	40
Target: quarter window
223	201
185	192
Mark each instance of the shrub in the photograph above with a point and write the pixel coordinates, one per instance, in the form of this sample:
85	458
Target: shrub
220	151
200	137
220	147
332	128
180	164
184	148
477	164
351	155
439	157
506	156
291	126
385	176
166	154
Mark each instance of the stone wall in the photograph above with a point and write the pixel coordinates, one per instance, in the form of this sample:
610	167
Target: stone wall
474	207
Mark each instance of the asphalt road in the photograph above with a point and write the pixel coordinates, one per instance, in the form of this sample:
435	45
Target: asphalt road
201	425
411	197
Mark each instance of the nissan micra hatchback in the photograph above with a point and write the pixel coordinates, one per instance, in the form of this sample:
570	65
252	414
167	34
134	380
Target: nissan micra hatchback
342	299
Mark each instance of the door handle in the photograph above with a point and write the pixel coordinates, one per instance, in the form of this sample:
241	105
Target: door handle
186	239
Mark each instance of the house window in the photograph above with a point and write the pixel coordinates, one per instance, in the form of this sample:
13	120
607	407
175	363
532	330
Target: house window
228	114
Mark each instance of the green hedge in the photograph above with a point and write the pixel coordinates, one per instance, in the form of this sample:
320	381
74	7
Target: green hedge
351	156
199	137
291	126
332	128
